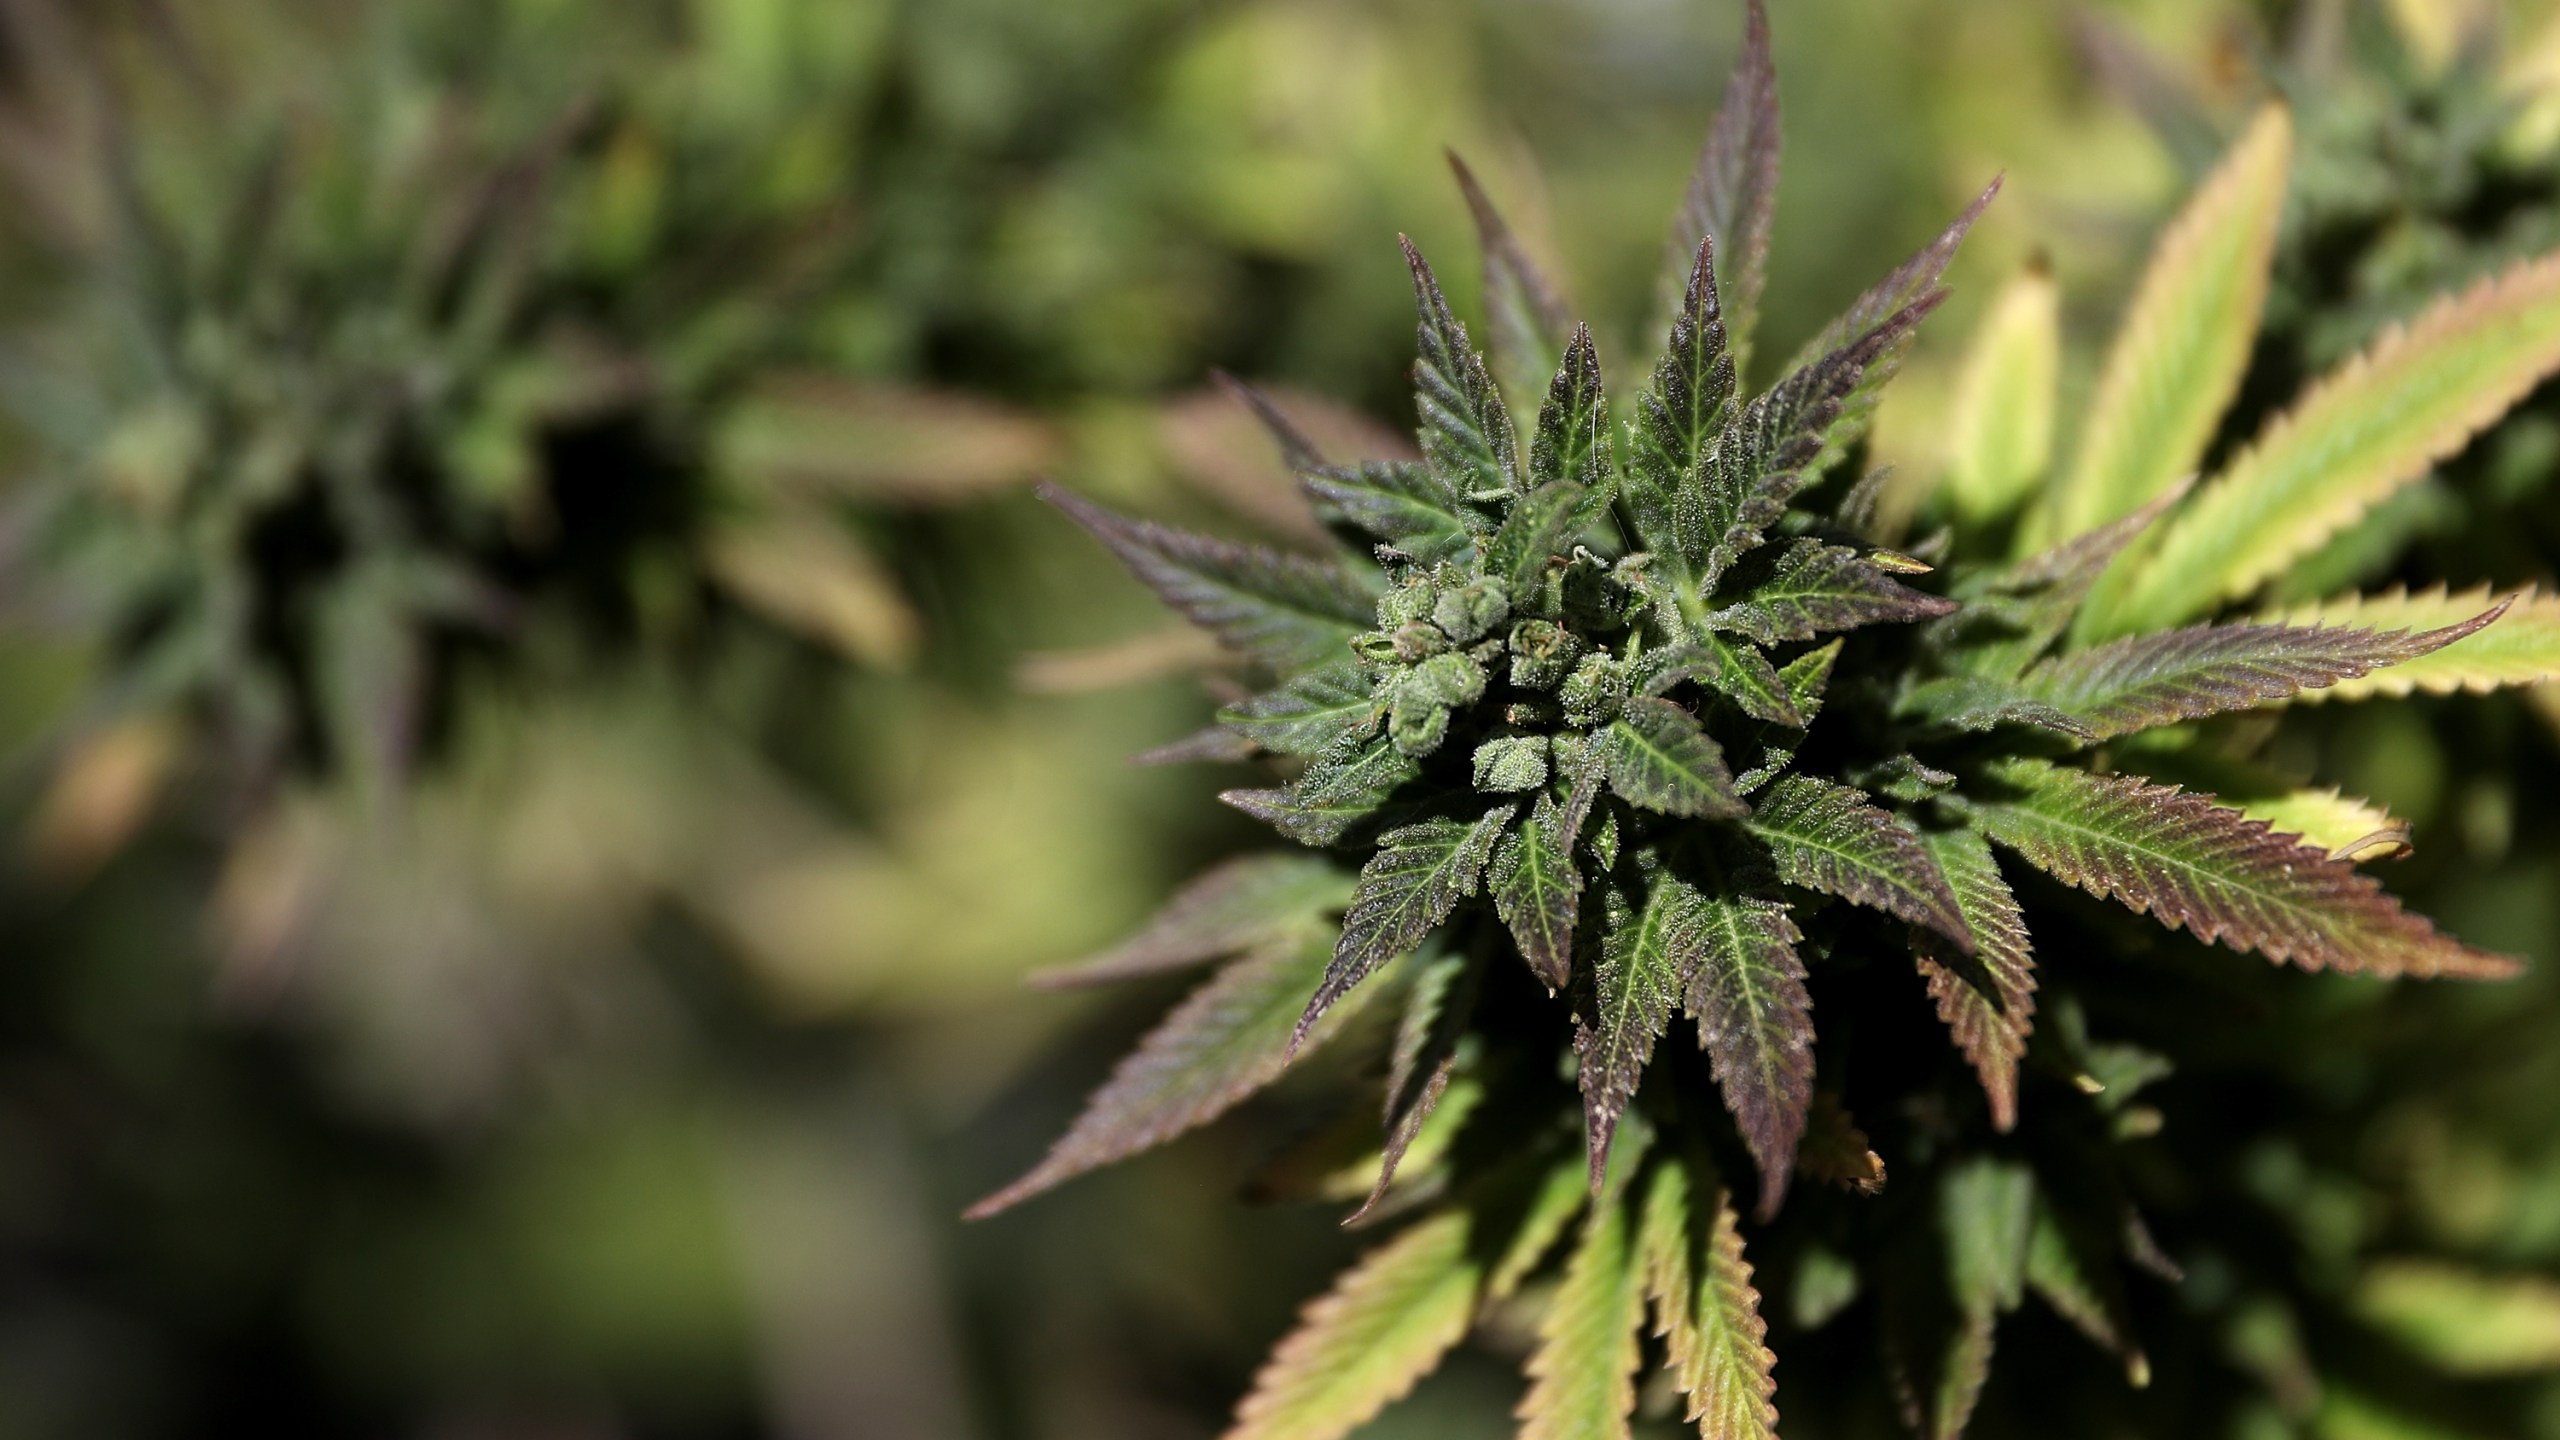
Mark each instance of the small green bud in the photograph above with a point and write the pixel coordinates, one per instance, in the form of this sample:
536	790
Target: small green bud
1416	641
1542	654
1537	712
1508	764
1445	679
1406	604
1472	610
1604	839
1594	691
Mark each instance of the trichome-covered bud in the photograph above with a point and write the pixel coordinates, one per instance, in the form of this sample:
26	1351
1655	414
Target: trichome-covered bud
1404	604
1508	764
1417	641
1418	716
1594	691
1471	611
1542	654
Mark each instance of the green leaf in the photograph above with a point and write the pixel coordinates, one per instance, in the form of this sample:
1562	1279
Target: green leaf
1400	502
1733	191
1987	1001
1660	758
1541	524
1974	704
1466	432
1418	875
2379	423
2464	1322
2054	1271
1232	907
2190	863
1960	1380
1817	589
2145	681
1755	1020
1987	1209
1646	962
2331	820
1706	1311
1285	611
1732	669
1313	714
1582	1375
2179	354
1677	419
1428	1038
1559	1197
1827	837
2000	439
1336	793
1538	892
1526	318
2015	616
1230	1039
2520	647
1365	1343
1572	442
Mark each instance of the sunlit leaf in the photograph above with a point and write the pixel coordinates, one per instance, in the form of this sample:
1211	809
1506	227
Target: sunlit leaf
1706	1310
1582	1375
1988	999
1366	1342
2521	647
2000	433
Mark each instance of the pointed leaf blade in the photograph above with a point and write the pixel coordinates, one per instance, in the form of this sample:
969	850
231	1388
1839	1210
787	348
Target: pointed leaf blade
1466	431
1400	502
1707	1311
1428	1038
1582	1375
2002	427
2520	647
1677	419
1827	837
1537	891
1366	1342
1313	714
1572	442
1418	875
1646	962
1525	315
1733	191
1755	1019
1230	908
1661	759
1988	1001
1818	589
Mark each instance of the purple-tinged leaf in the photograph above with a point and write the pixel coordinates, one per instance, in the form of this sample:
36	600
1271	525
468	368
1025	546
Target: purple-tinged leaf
1283	610
1988	1000
1437	1009
2193	864
1677	419
1762	458
1334	794
1526	320
2034	601
1827	837
1647	957
1732	669
1975	704
1706	1311
1466	431
2142	681
1236	906
1733	191
1312	714
1661	759
1366	1342
1218	744
1755	1020
1398	501
1418	875
1537	890
1230	1039
1572	442
1819	589
1296	450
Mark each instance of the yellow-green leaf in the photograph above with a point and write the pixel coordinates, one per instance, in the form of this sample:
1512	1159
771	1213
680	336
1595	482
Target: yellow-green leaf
2178	356
1366	1342
2001	434
2347	827
2521	647
1709	1319
2374	426
1582	1382
2463	1322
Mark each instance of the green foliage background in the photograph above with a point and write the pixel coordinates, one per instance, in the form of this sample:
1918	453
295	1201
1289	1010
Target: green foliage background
623	1069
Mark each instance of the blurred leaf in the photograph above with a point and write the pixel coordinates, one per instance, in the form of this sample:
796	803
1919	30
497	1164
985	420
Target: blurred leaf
2001	433
2465	1322
1383	1326
2521	647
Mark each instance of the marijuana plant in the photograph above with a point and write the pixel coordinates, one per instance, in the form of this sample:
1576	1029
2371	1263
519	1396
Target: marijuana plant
1643	718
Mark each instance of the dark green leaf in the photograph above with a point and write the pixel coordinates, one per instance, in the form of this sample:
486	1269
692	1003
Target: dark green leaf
1677	418
1661	759
1732	669
1538	892
1818	589
1337	792
1540	525
1827	837
1400	502
1466	431
1418	875
1312	714
1237	905
1646	960
1572	442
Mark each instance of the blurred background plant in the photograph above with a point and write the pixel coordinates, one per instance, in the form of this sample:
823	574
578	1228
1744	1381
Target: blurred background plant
544	734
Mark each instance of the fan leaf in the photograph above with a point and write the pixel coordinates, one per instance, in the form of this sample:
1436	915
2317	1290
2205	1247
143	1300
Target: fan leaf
2377	424
2190	863
1418	875
1428	1038
1525	317
1661	759
1733	191
1677	419
1538	892
1706	1310
1337	793
1646	964
2001	432
2178	356
1755	1020
1817	589
1401	502
1732	669
1466	432
1311	715
1366	1342
1572	442
1230	1039
1582	1375
1282	610
2521	647
1827	837
1988	1001
1233	907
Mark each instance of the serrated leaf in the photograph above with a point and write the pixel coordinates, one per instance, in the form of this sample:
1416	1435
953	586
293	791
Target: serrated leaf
2031	603
2144	681
1975	704
1582	1375
2521	647
1283	610
2377	424
1986	1209
1231	907
1466	431
1967	1368
1706	1311
1755	1020
1646	963
1732	669
1661	759
1764	457
1312	714
1230	1039
1572	442
1818	589
1384	1325
1538	892
2190	863
1335	794
1418	875
1677	419
1296	451
1434	1025
2055	1272
1400	502
1540	524
2179	353
1559	1197
1804	679
1525	317
1827	837
1733	190
1988	1000
1909	286
2000	439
